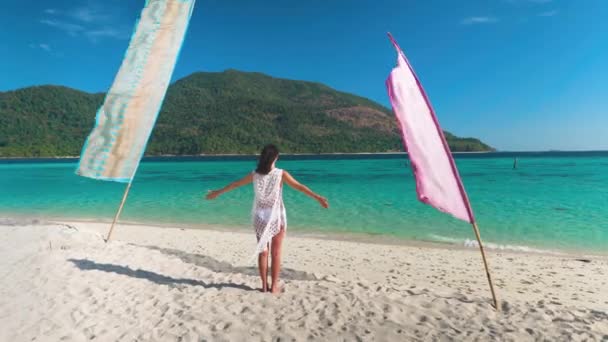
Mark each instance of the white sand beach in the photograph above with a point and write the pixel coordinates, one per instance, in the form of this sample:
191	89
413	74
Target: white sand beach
61	282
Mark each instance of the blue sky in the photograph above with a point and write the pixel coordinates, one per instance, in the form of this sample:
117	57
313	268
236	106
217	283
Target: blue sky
519	74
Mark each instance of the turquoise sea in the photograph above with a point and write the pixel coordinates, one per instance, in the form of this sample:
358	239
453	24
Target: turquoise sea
552	201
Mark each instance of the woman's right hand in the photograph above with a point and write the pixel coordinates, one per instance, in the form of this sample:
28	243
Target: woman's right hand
212	194
323	201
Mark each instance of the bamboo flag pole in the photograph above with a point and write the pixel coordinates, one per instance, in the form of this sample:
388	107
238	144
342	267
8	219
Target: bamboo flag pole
122	204
485	264
438	182
124	122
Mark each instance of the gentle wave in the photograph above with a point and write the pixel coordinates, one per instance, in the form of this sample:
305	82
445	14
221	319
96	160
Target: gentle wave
468	243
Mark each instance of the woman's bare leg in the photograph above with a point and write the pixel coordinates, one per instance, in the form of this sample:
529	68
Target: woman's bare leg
263	267
277	244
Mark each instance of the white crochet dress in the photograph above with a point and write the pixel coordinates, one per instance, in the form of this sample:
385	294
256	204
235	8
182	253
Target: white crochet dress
268	212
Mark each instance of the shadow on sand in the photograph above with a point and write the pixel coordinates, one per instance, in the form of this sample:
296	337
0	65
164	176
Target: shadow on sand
88	265
224	267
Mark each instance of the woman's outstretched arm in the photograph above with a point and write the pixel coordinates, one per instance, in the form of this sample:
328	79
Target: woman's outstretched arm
212	194
292	182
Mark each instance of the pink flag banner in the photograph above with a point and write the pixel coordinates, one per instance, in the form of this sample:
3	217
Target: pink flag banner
437	180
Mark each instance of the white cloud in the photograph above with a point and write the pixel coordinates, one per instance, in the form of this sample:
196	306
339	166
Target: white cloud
548	13
479	20
91	21
88	14
41	46
71	29
107	32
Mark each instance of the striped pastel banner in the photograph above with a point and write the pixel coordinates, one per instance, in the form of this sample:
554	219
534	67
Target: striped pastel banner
125	120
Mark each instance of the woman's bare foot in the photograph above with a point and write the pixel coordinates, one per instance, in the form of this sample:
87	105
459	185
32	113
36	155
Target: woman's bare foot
276	289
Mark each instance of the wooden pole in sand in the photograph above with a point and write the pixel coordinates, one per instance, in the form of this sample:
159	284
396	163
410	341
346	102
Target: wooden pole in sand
122	204
485	264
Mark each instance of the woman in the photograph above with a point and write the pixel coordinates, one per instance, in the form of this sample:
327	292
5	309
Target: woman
269	218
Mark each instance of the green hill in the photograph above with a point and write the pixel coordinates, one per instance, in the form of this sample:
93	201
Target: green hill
212	113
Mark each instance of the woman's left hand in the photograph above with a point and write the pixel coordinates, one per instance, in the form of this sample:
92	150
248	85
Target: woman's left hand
323	201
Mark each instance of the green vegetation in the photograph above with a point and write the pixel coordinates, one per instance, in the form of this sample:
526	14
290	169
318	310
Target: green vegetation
212	113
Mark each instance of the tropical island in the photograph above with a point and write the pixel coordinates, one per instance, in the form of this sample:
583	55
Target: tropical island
230	112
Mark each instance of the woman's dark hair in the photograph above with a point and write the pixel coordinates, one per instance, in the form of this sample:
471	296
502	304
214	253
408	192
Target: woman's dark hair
267	157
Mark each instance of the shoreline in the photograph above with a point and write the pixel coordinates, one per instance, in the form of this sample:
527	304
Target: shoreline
243	155
369	238
521	154
336	236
